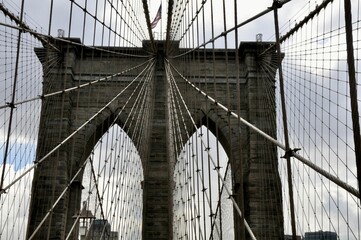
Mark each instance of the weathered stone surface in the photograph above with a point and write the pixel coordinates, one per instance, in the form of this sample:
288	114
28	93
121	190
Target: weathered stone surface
256	185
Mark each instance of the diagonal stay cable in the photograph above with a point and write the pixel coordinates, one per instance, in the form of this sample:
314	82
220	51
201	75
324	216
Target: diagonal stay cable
76	87
300	24
175	104
264	12
31	32
200	136
147	18
219	205
123	107
284	121
180	18
305	161
68	40
211	158
3	190
75	221
141	30
128	153
105	25
195	160
100	197
93	173
23	26
17	60
177	132
140	100
314	129
96	186
176	17
191	21
140	94
58	200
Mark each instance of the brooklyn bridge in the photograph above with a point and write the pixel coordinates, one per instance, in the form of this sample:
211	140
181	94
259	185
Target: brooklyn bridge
188	119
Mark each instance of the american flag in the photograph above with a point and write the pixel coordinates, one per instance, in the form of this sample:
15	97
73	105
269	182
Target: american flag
157	17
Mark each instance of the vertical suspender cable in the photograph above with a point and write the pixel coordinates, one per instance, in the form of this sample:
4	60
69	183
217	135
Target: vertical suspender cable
276	5
353	90
11	104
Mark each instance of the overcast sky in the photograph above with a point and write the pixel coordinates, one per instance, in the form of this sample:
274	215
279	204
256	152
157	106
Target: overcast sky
37	16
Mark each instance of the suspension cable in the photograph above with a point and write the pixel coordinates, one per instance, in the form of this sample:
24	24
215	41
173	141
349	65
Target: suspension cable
213	162
270	9
3	190
67	90
307	162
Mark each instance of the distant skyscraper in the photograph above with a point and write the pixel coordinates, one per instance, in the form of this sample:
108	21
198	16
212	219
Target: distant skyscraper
320	235
100	230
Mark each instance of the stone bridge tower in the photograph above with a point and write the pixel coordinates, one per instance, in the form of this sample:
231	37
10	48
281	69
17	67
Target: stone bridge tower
63	114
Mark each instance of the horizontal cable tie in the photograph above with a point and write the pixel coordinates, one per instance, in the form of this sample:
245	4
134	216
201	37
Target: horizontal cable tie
291	153
10	105
277	4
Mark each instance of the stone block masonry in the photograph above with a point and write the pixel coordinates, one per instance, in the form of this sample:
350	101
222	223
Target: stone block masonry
256	183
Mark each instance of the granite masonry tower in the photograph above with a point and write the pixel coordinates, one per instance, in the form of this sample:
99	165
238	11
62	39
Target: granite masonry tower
258	192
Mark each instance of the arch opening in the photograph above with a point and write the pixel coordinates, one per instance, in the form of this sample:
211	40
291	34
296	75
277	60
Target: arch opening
201	206
112	198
